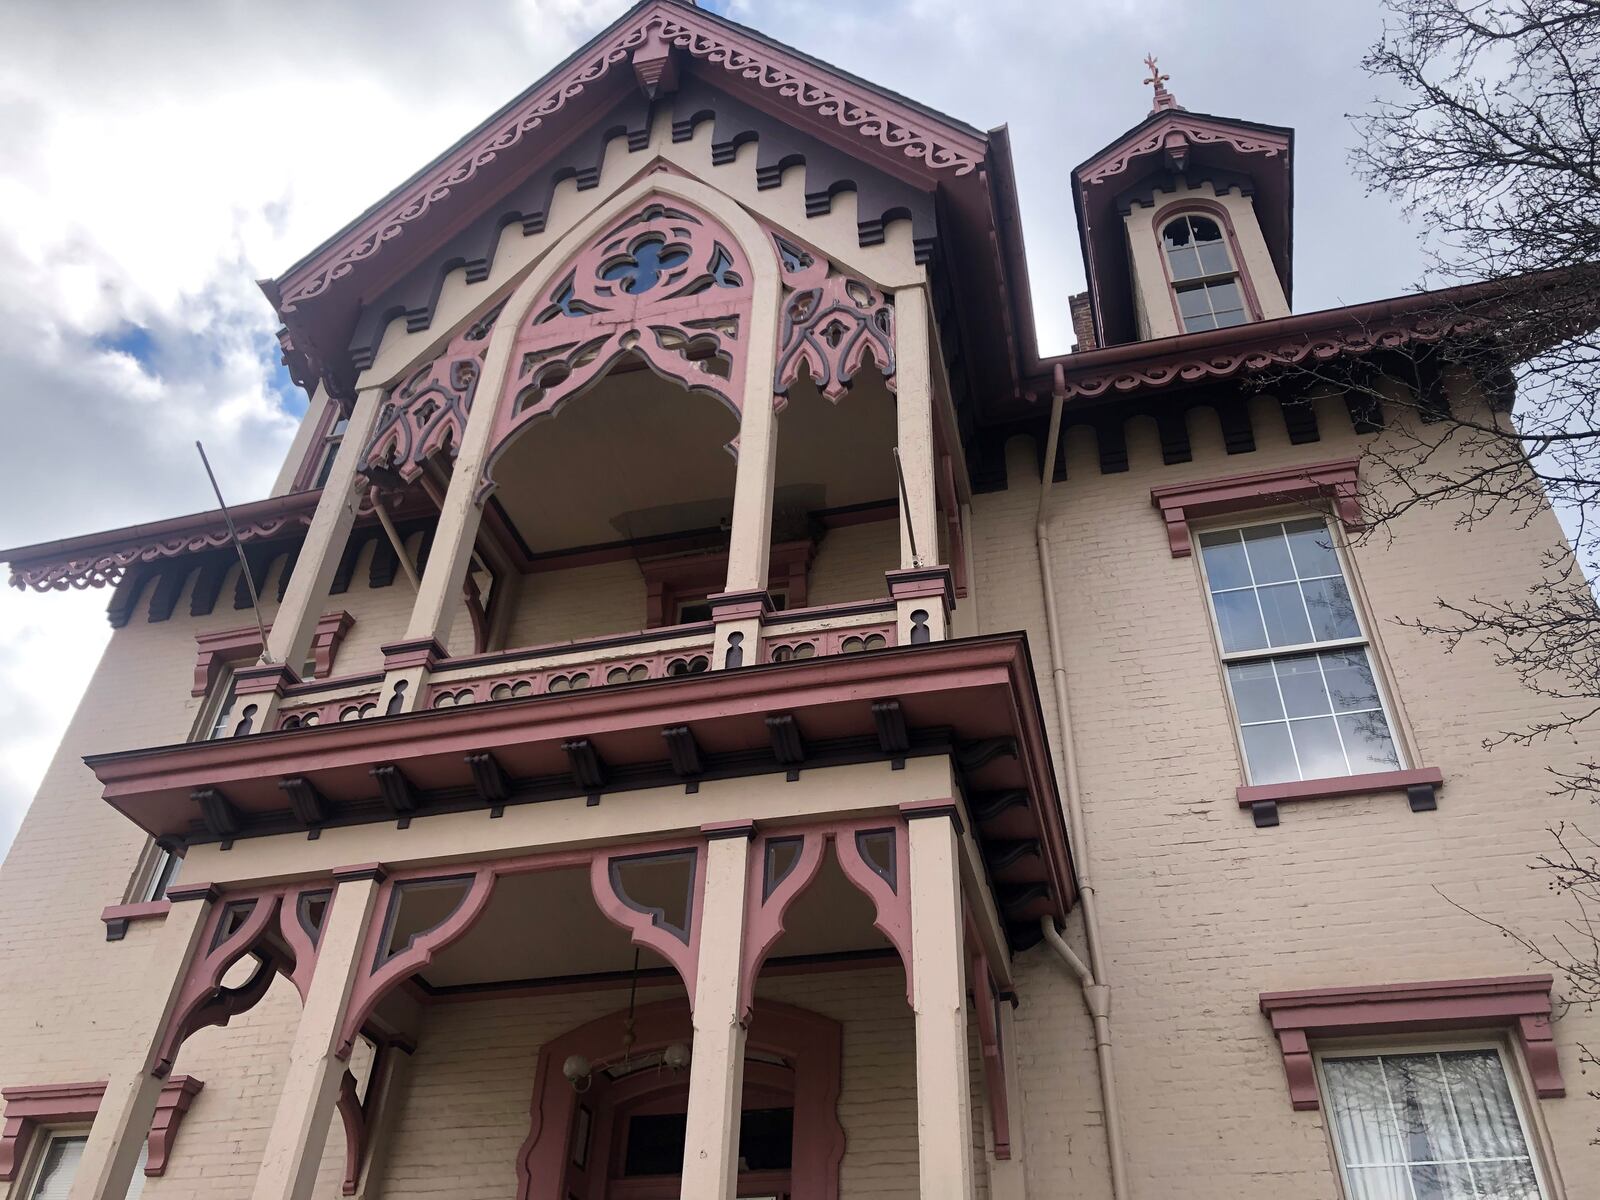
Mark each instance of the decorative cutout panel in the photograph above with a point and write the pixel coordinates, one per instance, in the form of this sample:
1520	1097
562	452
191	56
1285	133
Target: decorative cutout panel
832	323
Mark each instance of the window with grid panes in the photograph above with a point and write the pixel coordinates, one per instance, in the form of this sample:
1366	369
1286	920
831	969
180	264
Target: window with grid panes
1308	702
1428	1126
1204	278
58	1167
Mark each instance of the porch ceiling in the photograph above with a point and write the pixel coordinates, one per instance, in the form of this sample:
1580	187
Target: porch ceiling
974	700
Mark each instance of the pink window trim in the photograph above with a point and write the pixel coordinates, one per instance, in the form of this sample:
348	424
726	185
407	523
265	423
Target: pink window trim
148	910
1181	503
214	650
1520	1003
28	1109
1209	208
305	476
1341	785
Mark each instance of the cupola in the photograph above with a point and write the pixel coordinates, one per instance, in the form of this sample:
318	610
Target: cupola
1186	223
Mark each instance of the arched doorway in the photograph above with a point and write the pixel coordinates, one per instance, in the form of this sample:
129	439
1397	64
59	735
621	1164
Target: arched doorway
615	1130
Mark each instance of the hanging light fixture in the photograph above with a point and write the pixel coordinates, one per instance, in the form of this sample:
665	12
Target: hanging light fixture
579	1071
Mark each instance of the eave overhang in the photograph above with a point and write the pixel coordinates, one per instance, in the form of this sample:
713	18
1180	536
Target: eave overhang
1174	142
320	297
100	559
974	700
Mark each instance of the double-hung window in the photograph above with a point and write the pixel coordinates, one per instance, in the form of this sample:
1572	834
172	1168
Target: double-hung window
1205	279
1441	1125
57	1167
1308	702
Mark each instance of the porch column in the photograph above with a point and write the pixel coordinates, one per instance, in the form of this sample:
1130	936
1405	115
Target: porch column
289	639
750	540
311	1087
129	1104
716	1069
913	366
944	1100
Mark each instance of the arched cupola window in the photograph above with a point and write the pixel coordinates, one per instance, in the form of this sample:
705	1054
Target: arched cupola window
1207	286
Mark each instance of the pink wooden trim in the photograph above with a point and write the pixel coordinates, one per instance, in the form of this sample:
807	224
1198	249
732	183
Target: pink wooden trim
913	583
1520	1003
148	910
671	579
403	656
812	1044
1341	785
892	905
515	684
984	999
641	926
1192	128
764	914
354	1119
827	642
238	645
329	712
1184	502
1210	208
27	1109
298	939
376	981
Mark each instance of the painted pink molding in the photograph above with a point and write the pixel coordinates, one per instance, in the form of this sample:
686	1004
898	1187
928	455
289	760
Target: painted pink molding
427	413
117	917
354	1119
645	925
28	1109
380	976
1177	129
673	578
891	894
402	656
667	283
1520	1003
1341	785
896	135
811	1046
1181	503
832	324
273	925
768	897
233	646
986	1001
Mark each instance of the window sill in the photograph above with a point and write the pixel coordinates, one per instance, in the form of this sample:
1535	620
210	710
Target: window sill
119	916
1420	785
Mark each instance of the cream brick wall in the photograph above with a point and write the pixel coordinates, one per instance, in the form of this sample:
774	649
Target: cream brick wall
1201	911
851	562
561	606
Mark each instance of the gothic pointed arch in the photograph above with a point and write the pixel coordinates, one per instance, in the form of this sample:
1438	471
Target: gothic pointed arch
663	281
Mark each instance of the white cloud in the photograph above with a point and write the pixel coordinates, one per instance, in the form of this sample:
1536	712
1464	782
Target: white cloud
156	158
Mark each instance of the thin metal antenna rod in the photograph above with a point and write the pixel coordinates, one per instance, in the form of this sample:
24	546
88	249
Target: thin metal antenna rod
244	565
905	507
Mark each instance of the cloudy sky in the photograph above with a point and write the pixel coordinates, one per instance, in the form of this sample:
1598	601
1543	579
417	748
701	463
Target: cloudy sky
158	156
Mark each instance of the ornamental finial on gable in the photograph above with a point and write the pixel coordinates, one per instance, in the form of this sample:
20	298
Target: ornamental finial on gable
1163	98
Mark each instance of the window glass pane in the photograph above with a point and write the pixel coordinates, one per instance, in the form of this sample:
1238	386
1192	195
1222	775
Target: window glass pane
1350	681
1489	1126
1240	621
1378	1183
1416	1092
1367	739
1214	258
1224	559
1269	553
1185	263
1204	229
60	1164
1192	302
1196	324
1333	615
1232	317
1255	692
1506	1180
1286	615
1304	694
1268	751
1312	546
1442	1181
1225	295
1316	744
1177	233
1358	1108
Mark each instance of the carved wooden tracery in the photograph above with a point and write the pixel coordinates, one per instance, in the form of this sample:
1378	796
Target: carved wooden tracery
427	414
666	283
831	324
278	927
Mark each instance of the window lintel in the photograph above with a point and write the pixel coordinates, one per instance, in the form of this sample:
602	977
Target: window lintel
1181	503
1520	1003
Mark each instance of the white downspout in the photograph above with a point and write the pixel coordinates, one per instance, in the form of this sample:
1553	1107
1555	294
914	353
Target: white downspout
1091	976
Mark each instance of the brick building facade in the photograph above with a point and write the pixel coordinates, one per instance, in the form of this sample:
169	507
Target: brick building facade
735	721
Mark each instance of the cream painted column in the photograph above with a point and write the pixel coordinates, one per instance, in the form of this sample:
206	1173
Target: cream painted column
938	956
716	1070
750	540
289	640
311	1087
129	1104
913	368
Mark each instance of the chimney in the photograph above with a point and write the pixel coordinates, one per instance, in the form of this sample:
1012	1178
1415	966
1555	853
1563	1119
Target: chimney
1082	322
